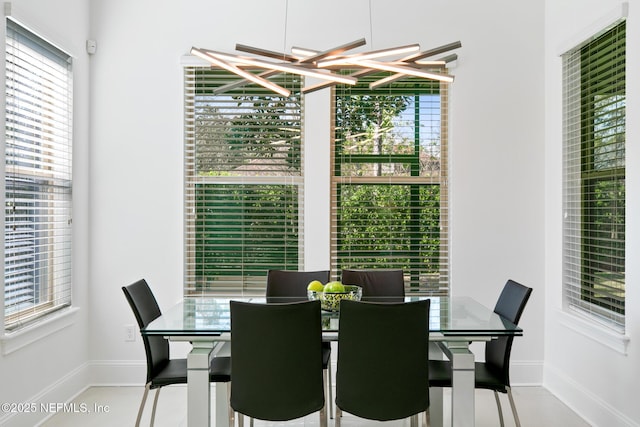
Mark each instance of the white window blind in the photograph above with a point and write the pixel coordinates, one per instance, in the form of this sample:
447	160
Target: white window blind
389	206
243	182
37	236
594	177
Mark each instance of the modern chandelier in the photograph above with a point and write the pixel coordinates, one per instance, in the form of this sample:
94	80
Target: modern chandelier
333	66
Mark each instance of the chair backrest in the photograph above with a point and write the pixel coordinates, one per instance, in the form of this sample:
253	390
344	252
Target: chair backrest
146	309
285	283
383	351
277	359
510	306
376	283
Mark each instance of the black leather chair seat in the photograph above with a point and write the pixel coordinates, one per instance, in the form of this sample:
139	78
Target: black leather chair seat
486	378
174	371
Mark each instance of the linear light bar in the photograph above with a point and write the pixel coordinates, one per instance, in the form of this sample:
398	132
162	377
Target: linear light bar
432	52
431	62
239	71
285	68
392	78
403	69
240	83
303	51
370	55
265	52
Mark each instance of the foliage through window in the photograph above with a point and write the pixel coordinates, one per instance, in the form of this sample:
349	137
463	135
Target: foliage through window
243	178
390	198
594	176
38	143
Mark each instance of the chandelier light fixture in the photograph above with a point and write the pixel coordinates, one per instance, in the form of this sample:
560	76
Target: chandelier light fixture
332	66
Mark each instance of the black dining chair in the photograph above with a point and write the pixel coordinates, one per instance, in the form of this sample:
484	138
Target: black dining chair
277	360
493	373
161	369
292	285
376	283
289	285
397	333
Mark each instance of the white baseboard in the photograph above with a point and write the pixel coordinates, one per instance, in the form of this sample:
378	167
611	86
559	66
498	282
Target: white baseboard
589	406
43	404
117	372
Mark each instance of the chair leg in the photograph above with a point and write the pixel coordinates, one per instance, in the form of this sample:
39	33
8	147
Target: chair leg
155	403
232	414
495	393
338	416
413	421
323	416
330	391
147	387
427	418
241	420
513	407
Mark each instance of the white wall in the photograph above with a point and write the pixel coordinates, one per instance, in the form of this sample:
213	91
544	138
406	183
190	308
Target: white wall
133	189
50	363
496	127
589	367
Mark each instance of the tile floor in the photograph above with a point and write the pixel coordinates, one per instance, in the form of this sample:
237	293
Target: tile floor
118	406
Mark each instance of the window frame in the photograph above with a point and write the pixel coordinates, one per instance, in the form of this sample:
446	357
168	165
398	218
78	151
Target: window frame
585	165
38	145
415	279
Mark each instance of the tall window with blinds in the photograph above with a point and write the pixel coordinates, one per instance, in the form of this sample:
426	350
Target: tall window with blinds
38	143
389	206
594	177
243	182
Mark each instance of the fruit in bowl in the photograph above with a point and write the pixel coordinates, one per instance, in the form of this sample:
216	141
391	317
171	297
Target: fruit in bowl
315	285
333	293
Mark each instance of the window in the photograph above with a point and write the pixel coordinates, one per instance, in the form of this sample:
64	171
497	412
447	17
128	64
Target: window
594	177
389	193
38	141
243	182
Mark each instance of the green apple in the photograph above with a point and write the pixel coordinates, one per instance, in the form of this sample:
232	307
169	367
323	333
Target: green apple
315	285
334	287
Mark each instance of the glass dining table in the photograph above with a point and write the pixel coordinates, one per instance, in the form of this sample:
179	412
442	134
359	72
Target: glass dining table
454	323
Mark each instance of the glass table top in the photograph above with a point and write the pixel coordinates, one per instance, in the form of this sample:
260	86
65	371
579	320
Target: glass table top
450	316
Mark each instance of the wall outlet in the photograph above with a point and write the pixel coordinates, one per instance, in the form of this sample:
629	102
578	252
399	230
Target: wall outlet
129	333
